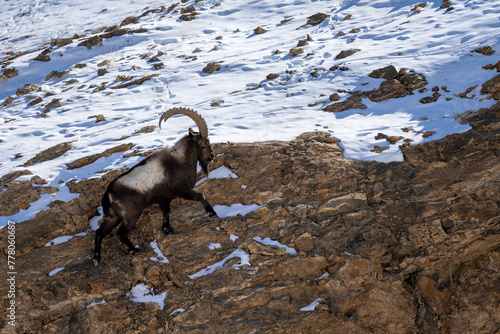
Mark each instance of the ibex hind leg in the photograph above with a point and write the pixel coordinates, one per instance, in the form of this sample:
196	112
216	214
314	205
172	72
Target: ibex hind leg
106	227
127	225
123	237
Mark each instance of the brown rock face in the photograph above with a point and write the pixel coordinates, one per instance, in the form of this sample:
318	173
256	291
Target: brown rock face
91	158
407	247
492	87
398	84
398	87
49	154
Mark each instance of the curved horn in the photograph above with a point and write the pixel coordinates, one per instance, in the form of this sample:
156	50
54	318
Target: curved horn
200	122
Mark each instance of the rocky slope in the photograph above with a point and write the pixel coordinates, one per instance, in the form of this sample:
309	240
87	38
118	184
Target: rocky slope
410	247
336	246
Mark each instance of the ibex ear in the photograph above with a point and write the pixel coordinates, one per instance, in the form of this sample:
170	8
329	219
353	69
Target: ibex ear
192	133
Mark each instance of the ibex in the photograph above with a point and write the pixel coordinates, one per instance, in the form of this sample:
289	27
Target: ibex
165	175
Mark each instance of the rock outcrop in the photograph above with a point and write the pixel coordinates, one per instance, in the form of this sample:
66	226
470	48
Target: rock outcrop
403	247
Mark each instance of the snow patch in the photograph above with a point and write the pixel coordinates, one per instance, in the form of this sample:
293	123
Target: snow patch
179	310
269	242
322	276
97	303
61	240
159	255
94	221
244	260
312	306
142	293
55	271
213	246
219	173
224	211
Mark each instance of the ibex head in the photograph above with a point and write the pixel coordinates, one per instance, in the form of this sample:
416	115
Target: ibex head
205	150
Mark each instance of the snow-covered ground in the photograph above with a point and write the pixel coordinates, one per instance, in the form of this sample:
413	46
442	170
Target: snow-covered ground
435	42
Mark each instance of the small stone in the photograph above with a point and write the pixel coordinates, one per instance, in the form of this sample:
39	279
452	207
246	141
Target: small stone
295	52
334	97
379	149
8	73
129	20
42	57
394	139
445	4
28	88
55	103
100	88
427	134
90	42
259	31
54	74
104	63
72	81
316	18
346	53
216	103
101	72
36	101
485	50
59	42
430	99
388	72
121	78
212	67
158	66
272	76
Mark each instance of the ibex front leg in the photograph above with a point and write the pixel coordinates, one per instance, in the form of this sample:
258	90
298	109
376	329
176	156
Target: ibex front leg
197	196
165	208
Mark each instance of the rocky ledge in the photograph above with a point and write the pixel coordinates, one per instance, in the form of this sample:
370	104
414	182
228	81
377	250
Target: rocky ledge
409	247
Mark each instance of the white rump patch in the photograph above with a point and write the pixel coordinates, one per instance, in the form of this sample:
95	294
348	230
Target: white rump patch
144	177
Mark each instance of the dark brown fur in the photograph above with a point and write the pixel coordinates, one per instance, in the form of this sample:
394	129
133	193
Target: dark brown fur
125	200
